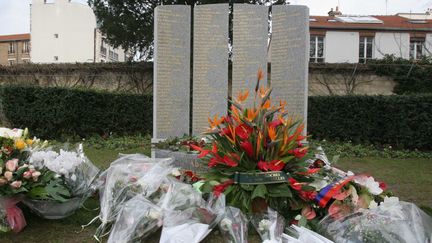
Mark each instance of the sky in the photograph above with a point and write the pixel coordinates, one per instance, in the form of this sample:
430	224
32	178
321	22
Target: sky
15	14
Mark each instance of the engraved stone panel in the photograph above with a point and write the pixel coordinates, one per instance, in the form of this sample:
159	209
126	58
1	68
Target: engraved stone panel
290	57
250	39
210	64
171	93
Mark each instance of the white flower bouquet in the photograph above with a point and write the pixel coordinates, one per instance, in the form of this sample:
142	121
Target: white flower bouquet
269	225
234	226
136	221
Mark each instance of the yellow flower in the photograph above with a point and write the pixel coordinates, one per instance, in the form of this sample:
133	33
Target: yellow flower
272	133
29	142
20	144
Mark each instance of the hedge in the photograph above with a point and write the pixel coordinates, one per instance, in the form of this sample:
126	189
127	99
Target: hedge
401	121
57	112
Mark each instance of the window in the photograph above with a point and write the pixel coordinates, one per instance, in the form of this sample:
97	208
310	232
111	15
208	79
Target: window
55	58
26	47
111	54
365	49
26	60
416	50
116	57
56	36
11	62
11	49
316	49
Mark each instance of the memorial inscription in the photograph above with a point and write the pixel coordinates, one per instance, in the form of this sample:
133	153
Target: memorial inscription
290	57
250	40
171	71
210	64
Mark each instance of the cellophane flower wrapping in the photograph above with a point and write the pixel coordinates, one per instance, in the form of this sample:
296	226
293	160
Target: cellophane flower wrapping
11	216
234	226
187	217
138	218
269	225
301	234
73	181
127	177
392	221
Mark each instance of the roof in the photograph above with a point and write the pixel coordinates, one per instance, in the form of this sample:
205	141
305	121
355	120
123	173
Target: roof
16	37
389	22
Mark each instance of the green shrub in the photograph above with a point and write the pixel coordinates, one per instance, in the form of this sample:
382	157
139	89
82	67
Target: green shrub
57	112
400	121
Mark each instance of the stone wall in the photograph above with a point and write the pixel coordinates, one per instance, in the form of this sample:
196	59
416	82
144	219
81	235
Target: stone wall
324	79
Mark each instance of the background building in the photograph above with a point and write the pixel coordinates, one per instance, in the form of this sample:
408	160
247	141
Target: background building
65	32
14	49
352	39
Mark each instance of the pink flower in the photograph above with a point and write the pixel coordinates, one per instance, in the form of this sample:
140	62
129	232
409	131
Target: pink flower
27	175
11	165
8	175
36	175
3	181
16	184
308	213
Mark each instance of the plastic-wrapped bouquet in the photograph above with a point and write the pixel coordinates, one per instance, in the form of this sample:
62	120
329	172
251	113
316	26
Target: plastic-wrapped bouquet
66	182
127	177
234	226
392	221
137	220
269	225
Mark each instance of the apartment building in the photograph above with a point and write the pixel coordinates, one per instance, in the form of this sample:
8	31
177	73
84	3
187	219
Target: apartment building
14	49
340	38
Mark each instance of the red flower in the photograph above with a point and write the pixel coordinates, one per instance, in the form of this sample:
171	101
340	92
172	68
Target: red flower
383	186
295	184
220	188
203	151
262	165
308	195
275	165
248	148
213	162
275	123
308	213
243	131
229	161
310	171
298	152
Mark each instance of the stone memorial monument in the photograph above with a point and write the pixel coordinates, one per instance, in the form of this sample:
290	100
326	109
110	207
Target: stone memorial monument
172	64
290	57
171	86
250	41
210	64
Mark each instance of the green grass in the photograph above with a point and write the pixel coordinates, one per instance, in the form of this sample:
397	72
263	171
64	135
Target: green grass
409	179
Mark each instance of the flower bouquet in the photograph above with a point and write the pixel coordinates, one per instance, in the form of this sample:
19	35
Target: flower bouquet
66	182
269	225
234	226
137	220
127	177
17	176
259	160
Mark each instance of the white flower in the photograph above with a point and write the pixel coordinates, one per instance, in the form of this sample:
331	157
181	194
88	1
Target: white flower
226	224
64	164
11	133
154	214
370	183
373	204
40	158
298	217
175	172
264	225
73	177
389	203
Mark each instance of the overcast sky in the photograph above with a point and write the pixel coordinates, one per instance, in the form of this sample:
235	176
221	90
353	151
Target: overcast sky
15	14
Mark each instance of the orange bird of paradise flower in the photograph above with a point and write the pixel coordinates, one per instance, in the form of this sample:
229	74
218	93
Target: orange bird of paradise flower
215	122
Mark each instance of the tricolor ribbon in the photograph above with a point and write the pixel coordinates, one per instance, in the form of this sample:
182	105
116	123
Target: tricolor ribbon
331	190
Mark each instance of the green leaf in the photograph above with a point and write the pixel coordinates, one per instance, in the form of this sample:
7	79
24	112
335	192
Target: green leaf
302	221
248	188
281	190
38	193
259	191
57	191
287	159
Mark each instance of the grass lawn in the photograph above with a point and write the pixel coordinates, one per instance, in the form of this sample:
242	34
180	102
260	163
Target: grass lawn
410	179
